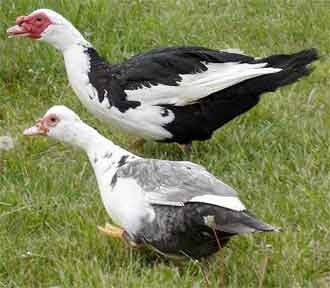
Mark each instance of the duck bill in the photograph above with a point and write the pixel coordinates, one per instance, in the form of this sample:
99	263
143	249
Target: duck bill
34	131
17	31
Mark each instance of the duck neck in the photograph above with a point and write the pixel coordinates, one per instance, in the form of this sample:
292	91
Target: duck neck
100	150
64	37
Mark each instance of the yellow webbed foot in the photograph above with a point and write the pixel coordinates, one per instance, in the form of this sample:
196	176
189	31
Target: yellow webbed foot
118	233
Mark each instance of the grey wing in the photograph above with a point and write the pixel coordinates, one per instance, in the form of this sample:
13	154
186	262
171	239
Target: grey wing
177	182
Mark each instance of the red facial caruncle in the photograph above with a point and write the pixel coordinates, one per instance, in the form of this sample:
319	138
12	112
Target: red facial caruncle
42	126
30	26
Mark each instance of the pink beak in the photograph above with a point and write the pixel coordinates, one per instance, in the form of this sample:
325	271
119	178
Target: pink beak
18	30
32	131
36	130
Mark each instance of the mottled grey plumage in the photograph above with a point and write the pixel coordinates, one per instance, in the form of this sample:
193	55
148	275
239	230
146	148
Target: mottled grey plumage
181	225
173	182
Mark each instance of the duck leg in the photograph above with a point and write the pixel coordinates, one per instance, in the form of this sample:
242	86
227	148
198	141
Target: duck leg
186	149
137	144
116	232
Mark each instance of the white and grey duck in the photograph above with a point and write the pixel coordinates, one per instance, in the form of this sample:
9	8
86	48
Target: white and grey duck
176	207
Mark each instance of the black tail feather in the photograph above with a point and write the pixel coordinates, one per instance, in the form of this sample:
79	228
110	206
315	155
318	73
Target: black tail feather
296	60
240	222
294	67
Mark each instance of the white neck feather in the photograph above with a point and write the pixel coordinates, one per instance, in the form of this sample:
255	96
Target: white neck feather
63	36
77	64
103	155
96	146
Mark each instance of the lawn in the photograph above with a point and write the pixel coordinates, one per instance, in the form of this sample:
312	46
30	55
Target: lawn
277	155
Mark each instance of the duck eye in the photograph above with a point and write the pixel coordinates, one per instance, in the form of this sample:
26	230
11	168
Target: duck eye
39	19
52	121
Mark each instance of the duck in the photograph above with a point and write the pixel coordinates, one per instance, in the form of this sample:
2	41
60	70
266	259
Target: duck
173	94
177	208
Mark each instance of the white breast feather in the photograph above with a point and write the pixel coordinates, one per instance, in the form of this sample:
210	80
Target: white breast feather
193	87
126	205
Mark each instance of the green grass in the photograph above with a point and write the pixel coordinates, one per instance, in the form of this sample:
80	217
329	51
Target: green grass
277	155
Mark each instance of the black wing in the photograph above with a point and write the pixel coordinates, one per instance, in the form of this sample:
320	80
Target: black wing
158	66
164	65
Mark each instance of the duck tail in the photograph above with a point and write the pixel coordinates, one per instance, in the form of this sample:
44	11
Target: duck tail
240	222
294	66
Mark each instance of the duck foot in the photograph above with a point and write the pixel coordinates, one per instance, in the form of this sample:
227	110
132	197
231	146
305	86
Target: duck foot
118	233
111	230
137	144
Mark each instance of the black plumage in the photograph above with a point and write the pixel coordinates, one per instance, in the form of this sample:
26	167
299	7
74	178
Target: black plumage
183	231
102	77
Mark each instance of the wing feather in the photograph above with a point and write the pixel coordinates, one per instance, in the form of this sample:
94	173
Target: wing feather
183	75
177	182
